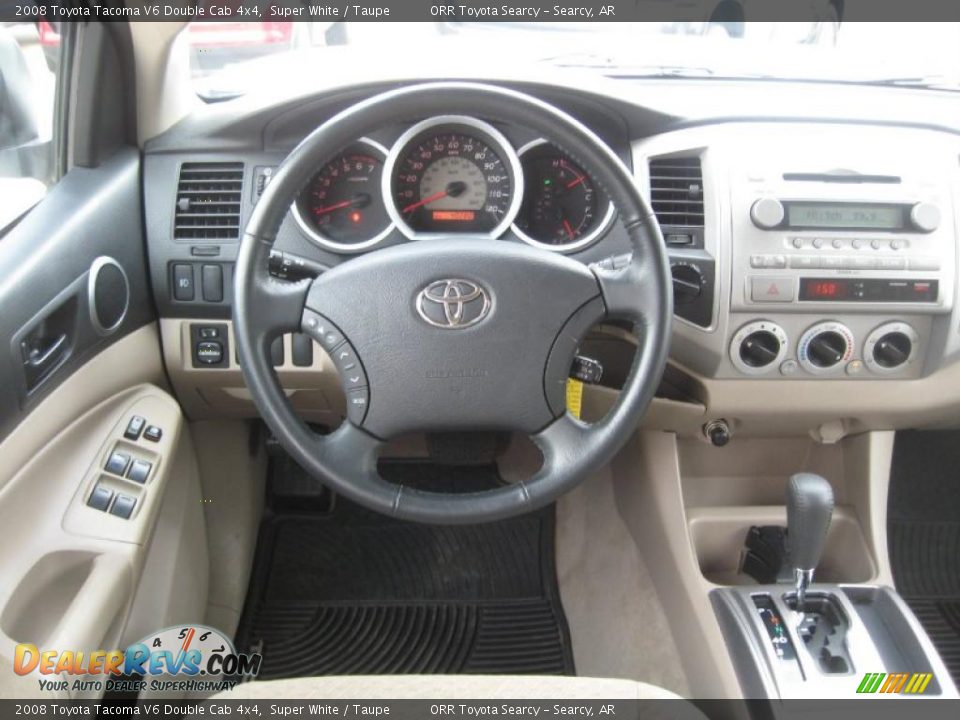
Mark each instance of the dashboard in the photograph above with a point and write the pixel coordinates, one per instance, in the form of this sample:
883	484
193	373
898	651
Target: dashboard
812	253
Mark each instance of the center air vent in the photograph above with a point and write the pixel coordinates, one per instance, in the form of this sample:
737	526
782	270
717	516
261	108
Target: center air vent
208	201
676	189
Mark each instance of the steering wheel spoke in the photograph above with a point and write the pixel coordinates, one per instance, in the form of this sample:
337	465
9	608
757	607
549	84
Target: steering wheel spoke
631	292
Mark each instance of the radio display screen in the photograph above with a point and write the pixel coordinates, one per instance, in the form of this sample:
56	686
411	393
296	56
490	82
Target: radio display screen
845	217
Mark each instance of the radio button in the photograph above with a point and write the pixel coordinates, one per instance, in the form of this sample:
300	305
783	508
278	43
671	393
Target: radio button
923	263
772	289
769	262
891	263
856	243
896	244
875	244
817	242
797	242
833	262
837	243
805	262
861	262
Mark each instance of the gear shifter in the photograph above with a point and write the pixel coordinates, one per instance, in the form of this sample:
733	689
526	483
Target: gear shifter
809	509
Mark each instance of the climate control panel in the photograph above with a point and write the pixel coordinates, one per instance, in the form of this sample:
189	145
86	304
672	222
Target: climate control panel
826	349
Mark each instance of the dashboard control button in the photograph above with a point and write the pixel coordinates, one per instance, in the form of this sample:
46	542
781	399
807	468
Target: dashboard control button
862	262
825	348
357	401
772	289
837	243
758	347
876	244
277	353
923	263
767	213
152	433
856	243
854	367
123	506
891	346
805	262
896	244
183	285
891	263
324	331
139	470
100	498
117	463
797	242
832	262
687	283
817	243
925	216
210	352
134	428
789	367
211	278
209	333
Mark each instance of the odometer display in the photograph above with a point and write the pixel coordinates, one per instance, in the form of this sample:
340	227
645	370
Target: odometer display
453	177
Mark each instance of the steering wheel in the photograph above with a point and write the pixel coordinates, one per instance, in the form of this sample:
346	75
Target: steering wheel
501	363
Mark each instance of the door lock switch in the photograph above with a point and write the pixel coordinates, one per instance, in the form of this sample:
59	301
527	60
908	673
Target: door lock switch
134	428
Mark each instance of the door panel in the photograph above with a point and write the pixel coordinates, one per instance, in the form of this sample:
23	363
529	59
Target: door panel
53	314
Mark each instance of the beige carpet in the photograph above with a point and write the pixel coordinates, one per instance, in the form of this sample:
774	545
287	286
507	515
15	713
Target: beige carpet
617	623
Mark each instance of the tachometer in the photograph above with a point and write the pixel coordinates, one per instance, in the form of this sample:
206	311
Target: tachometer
342	207
453	174
562	209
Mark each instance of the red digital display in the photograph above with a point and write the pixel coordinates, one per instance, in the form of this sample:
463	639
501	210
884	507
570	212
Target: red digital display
454	215
827	289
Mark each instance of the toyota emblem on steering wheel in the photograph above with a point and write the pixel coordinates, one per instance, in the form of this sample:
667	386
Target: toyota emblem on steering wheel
453	304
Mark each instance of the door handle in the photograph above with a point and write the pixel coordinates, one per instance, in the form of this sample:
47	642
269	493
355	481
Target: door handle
45	353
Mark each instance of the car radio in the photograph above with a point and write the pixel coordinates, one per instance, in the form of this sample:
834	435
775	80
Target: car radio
802	251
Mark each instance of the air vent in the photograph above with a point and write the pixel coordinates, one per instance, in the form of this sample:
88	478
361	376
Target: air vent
676	188
208	201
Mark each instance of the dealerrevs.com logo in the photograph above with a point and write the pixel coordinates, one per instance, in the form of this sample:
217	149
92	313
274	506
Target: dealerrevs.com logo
191	658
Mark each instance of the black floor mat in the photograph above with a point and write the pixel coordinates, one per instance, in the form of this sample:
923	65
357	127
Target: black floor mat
924	534
352	592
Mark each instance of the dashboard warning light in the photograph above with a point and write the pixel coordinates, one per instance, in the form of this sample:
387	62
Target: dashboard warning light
355	216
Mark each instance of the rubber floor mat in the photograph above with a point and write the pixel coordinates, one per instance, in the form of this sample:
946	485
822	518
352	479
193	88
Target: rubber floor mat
353	592
924	534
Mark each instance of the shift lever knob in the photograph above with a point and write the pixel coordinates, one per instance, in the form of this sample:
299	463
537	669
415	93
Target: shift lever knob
809	509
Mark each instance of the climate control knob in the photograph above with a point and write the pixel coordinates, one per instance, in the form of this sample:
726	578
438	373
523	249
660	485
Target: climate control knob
758	347
825	348
890	347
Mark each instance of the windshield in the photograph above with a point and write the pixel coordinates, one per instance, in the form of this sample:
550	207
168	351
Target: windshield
230	59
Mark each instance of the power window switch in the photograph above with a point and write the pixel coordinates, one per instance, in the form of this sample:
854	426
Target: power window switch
152	433
100	498
134	428
117	463
139	470
123	506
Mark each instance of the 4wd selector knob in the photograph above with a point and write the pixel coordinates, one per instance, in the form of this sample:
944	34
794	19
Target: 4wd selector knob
889	347
826	347
687	282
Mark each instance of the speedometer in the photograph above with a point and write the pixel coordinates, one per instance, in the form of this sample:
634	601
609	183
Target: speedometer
453	175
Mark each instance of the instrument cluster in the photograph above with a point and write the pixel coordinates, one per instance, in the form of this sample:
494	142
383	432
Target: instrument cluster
451	175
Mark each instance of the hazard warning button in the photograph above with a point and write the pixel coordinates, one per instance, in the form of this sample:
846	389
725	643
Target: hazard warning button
772	289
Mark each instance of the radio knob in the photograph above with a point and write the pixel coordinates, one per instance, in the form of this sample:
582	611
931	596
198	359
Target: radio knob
892	350
687	283
827	349
767	213
760	348
925	216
